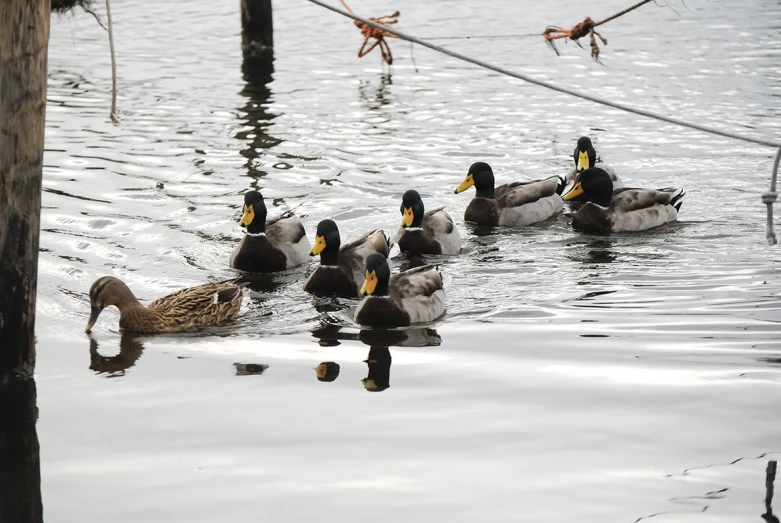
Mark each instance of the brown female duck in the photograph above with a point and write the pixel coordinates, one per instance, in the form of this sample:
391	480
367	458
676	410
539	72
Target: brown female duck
210	304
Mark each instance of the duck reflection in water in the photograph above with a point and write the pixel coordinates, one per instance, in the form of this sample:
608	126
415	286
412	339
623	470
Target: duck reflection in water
130	350
379	358
594	251
327	371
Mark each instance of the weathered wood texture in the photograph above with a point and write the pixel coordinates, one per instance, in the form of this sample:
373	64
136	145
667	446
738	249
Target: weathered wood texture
20	462
257	29
24	39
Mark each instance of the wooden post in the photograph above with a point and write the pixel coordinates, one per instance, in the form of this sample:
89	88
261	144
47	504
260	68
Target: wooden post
257	30
24	40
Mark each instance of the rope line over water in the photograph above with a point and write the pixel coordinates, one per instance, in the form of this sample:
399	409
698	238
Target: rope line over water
768	197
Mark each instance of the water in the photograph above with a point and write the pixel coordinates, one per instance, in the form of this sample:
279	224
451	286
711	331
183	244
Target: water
574	377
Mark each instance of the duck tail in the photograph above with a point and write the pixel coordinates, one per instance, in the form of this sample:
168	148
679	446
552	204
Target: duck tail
393	247
561	186
229	294
677	200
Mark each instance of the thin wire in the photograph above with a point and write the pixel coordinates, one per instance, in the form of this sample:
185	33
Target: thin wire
113	113
767	198
525	35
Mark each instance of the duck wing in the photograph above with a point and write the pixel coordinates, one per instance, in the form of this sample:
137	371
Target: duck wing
420	281
287	234
632	199
352	256
521	193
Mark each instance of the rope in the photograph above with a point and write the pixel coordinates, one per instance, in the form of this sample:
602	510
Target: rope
767	198
622	13
113	113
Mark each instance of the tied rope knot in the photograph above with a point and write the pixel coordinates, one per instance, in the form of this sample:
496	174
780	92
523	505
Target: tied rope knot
582	29
585	28
376	33
769	197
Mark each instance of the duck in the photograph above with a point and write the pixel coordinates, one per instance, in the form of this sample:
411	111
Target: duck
210	304
341	267
422	232
269	246
412	296
515	204
585	157
626	209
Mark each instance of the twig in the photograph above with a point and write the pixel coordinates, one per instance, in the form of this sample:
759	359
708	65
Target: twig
113	113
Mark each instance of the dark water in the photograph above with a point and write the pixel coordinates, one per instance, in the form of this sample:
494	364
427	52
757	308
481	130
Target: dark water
582	378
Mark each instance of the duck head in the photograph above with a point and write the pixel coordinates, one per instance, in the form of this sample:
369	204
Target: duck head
481	176
107	291
254	217
596	184
585	155
376	276
412	209
327	242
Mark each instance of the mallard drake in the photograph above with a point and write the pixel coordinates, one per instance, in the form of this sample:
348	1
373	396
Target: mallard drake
421	232
210	304
413	296
625	209
269	246
585	157
514	204
341	266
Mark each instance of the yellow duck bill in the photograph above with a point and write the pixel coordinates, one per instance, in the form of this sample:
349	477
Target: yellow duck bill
574	192
408	217
583	161
318	247
369	284
248	216
466	184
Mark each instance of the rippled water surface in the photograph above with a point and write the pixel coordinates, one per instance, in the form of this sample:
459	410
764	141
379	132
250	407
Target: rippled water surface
573	377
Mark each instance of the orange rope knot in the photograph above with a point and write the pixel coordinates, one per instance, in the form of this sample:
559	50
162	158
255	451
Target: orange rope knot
586	27
378	35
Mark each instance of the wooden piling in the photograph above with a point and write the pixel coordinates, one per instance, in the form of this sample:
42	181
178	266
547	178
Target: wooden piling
257	30
24	40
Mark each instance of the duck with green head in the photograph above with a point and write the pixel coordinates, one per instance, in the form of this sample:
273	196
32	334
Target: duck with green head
412	296
422	232
607	210
514	204
269	246
585	157
341	267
